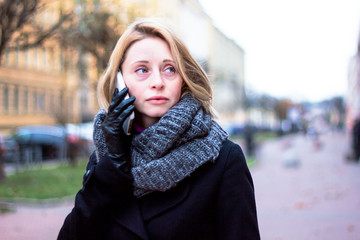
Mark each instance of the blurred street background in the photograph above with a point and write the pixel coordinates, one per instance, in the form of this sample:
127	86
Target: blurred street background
303	191
287	90
307	190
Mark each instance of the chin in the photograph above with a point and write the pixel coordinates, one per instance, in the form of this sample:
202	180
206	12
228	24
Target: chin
157	113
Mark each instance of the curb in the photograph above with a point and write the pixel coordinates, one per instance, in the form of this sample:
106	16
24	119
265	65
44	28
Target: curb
9	205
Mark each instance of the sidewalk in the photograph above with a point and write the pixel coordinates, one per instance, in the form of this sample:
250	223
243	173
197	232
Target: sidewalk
40	222
302	193
307	192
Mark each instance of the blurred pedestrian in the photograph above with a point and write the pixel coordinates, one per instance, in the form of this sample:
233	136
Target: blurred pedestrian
356	140
177	176
2	166
249	133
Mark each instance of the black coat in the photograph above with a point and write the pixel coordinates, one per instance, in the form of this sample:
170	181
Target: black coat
215	202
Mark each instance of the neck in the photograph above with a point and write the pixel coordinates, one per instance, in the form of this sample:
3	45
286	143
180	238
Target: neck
144	121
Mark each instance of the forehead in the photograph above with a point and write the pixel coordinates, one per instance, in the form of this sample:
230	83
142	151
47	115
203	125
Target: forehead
150	47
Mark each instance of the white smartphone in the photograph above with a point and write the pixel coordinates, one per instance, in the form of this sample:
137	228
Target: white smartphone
120	84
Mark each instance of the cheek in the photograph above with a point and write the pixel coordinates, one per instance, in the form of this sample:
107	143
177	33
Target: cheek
137	92
134	90
177	89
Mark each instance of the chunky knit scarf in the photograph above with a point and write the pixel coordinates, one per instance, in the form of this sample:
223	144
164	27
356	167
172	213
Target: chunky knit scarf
167	152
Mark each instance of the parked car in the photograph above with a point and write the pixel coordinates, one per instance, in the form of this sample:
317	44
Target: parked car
41	142
234	129
80	140
9	149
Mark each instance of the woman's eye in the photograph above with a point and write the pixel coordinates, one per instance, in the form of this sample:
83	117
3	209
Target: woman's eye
170	69
141	70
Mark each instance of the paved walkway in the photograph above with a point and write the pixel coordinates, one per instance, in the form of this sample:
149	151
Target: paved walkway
34	222
302	192
307	191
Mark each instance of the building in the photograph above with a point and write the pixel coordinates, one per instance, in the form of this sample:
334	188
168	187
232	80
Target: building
220	56
32	83
353	92
43	85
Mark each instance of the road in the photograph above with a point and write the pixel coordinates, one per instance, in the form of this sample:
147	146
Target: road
304	191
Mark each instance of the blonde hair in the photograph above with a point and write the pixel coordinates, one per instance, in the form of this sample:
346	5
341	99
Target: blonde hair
195	79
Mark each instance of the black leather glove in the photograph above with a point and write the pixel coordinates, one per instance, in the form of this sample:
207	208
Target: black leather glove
117	142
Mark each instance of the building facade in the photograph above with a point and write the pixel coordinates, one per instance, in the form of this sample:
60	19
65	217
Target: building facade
221	57
353	92
43	85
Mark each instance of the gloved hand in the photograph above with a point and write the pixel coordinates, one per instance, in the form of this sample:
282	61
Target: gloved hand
117	142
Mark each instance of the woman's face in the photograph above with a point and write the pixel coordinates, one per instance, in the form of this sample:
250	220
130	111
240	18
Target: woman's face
150	74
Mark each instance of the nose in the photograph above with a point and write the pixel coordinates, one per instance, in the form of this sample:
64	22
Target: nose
156	81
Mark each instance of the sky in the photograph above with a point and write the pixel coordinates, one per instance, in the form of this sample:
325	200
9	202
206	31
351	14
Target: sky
297	49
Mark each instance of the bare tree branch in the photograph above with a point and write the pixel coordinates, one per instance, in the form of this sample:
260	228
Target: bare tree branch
14	14
17	16
38	34
94	33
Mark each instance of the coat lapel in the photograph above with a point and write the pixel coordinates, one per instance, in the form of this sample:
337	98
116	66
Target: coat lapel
129	216
158	202
132	217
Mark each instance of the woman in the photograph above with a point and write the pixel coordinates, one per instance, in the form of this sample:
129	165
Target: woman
176	176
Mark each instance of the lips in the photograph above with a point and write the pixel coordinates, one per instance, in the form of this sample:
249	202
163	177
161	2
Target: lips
157	100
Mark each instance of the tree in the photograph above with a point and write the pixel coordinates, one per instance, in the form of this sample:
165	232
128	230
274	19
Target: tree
94	29
93	33
339	104
15	15
267	102
282	107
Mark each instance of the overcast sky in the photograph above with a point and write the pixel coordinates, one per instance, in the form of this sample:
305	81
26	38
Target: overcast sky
293	48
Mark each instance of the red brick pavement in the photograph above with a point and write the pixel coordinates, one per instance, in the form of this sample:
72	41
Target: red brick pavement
302	192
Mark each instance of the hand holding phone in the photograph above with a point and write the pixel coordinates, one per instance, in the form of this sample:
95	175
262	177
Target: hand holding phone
116	139
128	121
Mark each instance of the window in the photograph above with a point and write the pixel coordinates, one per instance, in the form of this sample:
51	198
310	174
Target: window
83	99
44	53
25	99
62	61
16	99
6	99
26	52
17	53
35	63
35	101
41	102
7	56
51	58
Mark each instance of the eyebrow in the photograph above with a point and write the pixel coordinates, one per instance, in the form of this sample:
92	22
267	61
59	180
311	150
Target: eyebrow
168	60
146	61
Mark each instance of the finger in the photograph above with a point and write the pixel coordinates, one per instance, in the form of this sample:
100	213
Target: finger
118	97
112	104
123	92
122	106
126	113
116	92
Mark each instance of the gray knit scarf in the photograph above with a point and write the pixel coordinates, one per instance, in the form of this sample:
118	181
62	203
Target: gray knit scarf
167	152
